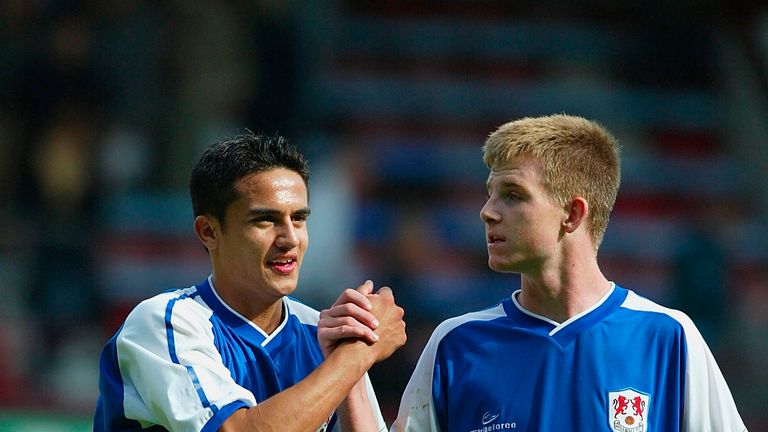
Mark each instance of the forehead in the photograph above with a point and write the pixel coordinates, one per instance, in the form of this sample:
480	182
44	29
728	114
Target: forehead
524	171
273	186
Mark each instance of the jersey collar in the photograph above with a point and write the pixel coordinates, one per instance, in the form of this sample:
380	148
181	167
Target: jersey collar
566	331
234	319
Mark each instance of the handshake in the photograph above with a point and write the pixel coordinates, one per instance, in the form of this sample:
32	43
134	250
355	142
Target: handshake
363	317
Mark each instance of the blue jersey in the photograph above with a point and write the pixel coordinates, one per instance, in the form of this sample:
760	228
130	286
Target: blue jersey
185	361
626	364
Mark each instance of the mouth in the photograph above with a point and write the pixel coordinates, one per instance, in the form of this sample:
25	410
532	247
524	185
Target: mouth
283	265
492	239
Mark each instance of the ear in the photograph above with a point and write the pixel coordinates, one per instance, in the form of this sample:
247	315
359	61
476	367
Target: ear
577	211
207	230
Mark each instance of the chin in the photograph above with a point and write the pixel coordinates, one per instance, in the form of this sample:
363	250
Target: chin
284	287
502	267
495	266
288	289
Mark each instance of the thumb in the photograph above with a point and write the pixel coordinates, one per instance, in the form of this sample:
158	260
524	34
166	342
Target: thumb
366	288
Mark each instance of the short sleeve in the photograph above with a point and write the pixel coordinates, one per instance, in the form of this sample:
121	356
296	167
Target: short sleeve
173	374
709	405
417	407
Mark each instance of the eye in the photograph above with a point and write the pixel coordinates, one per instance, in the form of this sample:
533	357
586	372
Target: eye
262	221
300	216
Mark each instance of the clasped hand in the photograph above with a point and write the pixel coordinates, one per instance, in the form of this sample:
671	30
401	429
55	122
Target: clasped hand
359	314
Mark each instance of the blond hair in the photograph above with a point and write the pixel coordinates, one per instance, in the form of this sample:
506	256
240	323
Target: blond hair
579	158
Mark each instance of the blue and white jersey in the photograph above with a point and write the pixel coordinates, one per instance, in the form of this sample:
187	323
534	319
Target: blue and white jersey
626	364
185	361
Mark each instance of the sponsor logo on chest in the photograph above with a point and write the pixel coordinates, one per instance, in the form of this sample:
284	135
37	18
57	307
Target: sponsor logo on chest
628	410
491	422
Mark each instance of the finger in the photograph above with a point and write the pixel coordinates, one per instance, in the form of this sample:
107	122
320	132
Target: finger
386	291
355	297
334	331
343	321
352	312
335	334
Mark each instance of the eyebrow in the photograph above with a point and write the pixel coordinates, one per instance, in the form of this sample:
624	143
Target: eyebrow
505	186
503	183
265	212
304	211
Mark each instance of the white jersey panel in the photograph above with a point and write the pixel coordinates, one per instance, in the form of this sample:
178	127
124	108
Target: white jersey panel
709	405
304	313
174	388
417	410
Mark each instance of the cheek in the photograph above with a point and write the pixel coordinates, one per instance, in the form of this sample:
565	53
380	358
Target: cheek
528	238
303	240
534	231
547	231
255	245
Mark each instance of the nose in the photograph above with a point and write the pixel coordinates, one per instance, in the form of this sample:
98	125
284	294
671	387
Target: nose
287	236
488	214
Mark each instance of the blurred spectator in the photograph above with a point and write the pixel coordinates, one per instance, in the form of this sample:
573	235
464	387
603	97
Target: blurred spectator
331	263
63	294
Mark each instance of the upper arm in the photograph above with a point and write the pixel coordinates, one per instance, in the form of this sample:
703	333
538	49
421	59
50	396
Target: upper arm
173	374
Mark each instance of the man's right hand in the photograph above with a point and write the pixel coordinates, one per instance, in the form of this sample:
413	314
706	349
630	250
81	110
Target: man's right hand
359	314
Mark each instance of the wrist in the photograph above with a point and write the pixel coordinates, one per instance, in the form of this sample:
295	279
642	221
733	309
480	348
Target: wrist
357	353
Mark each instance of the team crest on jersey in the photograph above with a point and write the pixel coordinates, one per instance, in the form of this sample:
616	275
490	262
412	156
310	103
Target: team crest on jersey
628	410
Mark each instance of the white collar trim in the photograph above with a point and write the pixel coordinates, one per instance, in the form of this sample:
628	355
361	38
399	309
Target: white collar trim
560	326
267	337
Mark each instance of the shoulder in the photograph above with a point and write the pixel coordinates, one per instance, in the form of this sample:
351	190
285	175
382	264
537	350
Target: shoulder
441	338
159	323
471	319
659	313
182	303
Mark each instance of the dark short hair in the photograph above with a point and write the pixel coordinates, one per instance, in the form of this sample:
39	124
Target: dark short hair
212	183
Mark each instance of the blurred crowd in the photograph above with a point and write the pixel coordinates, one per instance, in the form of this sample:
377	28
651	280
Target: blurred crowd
103	101
107	104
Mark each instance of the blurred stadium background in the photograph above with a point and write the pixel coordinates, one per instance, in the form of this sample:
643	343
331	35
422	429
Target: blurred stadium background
107	104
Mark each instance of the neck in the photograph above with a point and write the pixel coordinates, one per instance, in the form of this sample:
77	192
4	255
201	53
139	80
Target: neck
564	291
269	319
267	314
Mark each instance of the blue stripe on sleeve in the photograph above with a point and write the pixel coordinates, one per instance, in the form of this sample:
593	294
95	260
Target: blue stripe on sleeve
175	358
223	414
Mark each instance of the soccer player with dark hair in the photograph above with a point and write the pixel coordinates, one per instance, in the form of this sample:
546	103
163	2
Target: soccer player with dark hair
235	352
571	350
